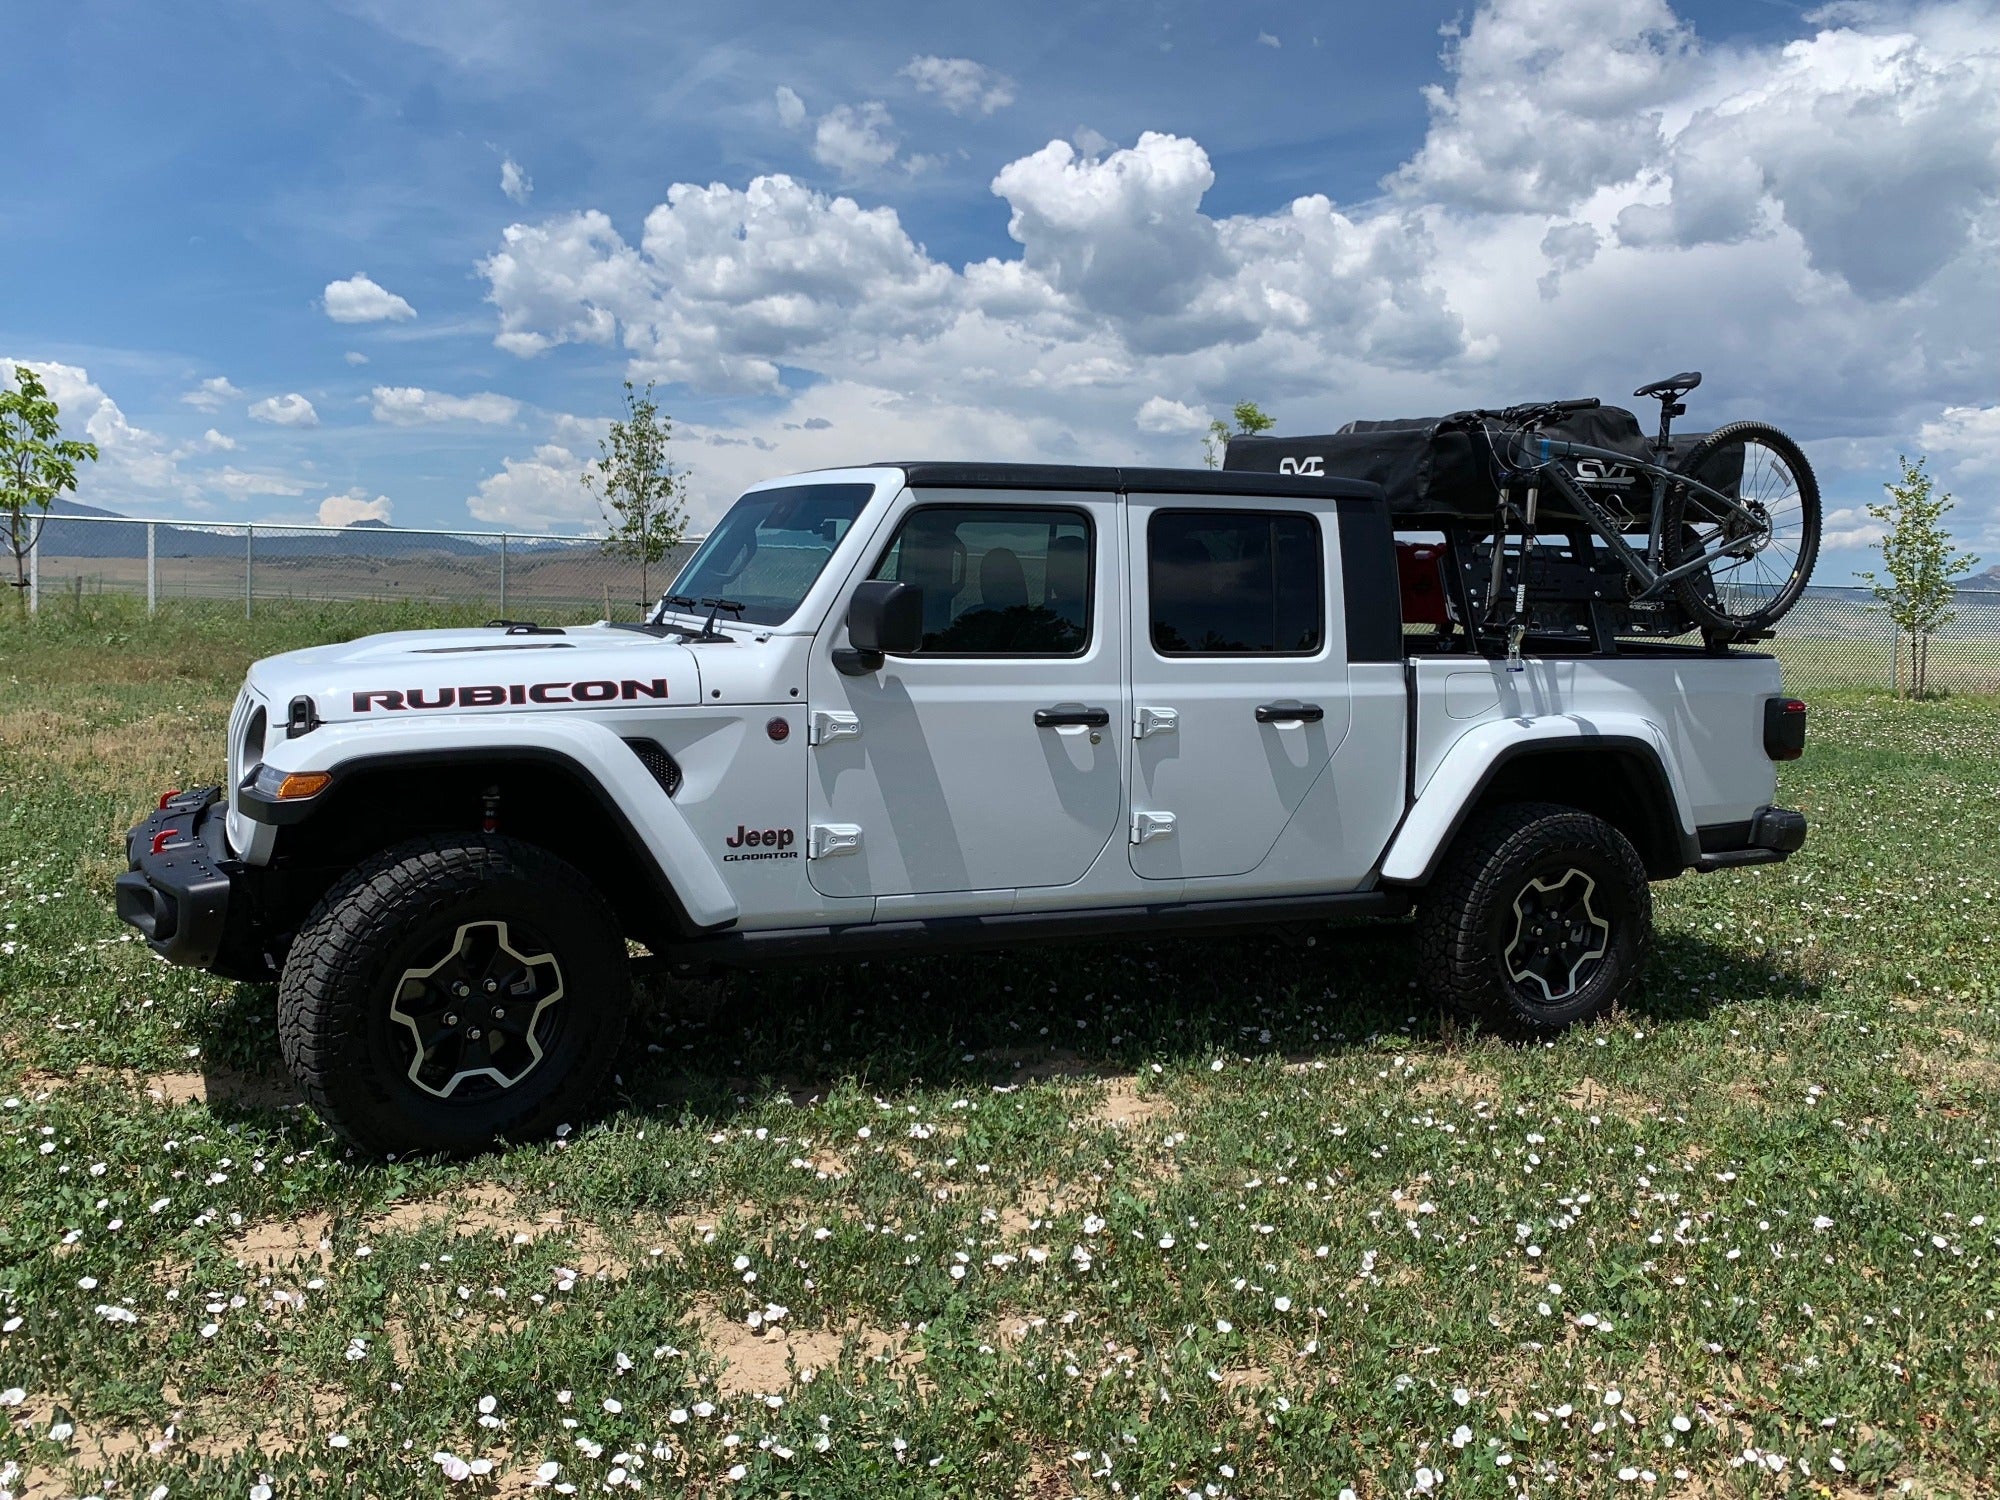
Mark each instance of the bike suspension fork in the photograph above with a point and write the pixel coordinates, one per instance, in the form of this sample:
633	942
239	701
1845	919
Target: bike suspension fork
1517	623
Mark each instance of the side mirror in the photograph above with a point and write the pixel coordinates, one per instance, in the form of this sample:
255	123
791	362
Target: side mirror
883	618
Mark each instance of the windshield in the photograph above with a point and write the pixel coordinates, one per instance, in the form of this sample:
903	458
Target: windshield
771	547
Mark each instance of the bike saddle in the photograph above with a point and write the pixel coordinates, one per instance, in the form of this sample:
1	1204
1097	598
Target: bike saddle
1673	387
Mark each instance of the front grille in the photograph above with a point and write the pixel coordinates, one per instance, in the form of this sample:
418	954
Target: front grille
661	766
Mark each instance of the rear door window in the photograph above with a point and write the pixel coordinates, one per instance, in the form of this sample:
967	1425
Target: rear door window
1235	583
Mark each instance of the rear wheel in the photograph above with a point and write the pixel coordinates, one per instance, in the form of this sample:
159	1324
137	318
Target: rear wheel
1540	918
1765	557
454	992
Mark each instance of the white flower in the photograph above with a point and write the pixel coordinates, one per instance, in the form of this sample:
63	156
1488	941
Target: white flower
1092	1224
547	1471
260	1492
455	1468
338	1440
115	1314
1282	1304
1424	1480
1223	1325
613	1405
1462	1396
738	1471
1461	1436
487	1406
14	1395
1613	1396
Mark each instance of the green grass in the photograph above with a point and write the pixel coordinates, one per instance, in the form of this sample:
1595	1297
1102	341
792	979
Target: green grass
1235	1217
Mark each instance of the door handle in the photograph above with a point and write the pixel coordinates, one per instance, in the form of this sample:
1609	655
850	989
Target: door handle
1289	711
1067	715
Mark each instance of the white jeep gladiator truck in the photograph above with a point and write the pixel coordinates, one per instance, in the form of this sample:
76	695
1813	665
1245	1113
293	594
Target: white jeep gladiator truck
898	707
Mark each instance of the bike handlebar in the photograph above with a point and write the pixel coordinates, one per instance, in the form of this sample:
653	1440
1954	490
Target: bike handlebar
1526	412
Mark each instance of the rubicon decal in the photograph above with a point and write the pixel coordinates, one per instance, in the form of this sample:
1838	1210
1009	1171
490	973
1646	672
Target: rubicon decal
494	695
769	843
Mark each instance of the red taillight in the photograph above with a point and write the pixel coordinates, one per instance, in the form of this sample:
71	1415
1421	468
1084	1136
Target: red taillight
166	797
1784	728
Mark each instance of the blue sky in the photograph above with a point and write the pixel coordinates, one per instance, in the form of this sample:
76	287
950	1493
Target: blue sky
1059	231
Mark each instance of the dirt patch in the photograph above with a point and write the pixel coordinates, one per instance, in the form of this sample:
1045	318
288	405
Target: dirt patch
1589	1097
765	1360
473	1210
1123	1107
220	1086
1451	1079
217	1086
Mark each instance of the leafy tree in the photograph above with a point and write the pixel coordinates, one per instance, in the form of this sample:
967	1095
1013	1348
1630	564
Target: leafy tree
1917	555
36	465
1250	420
642	495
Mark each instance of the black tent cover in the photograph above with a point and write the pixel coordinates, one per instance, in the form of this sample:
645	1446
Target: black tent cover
1425	472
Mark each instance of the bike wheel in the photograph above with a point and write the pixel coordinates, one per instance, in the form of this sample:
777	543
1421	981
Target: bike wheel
1764	563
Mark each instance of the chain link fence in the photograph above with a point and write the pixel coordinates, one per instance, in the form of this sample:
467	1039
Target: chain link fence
509	574
1833	637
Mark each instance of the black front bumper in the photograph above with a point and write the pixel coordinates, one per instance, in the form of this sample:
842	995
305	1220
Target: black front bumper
181	877
1772	834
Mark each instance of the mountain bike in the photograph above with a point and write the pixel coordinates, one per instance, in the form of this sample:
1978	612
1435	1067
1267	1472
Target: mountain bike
1728	529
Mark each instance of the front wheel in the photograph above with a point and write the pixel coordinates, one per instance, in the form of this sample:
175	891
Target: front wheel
1764	552
452	992
1540	918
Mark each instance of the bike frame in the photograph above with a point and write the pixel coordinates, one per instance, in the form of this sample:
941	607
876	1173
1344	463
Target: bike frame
1644	567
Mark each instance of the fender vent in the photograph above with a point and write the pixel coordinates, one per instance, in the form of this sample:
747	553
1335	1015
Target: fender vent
662	766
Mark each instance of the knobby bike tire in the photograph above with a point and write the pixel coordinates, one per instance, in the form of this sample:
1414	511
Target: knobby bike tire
1697	592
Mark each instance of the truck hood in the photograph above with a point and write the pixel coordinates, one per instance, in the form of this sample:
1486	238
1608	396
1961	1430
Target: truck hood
474	671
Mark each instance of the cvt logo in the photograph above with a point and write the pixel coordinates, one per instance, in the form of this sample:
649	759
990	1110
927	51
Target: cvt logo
1312	465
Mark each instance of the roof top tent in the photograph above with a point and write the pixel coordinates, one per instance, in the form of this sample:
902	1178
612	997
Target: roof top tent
1444	500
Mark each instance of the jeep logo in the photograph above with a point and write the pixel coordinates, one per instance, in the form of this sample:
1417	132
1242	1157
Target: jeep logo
1313	466
774	843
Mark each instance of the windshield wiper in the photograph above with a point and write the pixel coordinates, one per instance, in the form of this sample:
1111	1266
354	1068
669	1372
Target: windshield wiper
715	607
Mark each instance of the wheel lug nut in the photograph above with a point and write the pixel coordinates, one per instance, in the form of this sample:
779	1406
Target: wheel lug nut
473	1034
461	989
492	986
499	1013
450	1018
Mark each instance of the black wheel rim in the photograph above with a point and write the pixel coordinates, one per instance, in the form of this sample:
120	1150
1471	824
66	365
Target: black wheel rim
1559	937
480	1014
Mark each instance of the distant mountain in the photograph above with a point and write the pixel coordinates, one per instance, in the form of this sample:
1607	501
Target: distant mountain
376	539
1984	583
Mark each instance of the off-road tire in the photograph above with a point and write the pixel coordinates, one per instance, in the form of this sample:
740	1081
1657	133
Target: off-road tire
383	918
1469	920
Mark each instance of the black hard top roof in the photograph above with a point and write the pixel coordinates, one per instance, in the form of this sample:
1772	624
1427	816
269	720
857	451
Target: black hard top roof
996	476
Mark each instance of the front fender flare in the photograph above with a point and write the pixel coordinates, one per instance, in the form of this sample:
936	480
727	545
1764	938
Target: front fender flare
598	757
1472	763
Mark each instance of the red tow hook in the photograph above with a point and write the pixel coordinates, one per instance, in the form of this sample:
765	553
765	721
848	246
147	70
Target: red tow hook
160	844
166	797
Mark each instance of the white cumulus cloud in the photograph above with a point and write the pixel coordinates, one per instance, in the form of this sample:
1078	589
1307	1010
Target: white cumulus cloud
961	85
1964	440
360	300
212	394
856	139
345	510
1162	416
1598	200
290	410
1549	100
791	108
410	405
540	491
